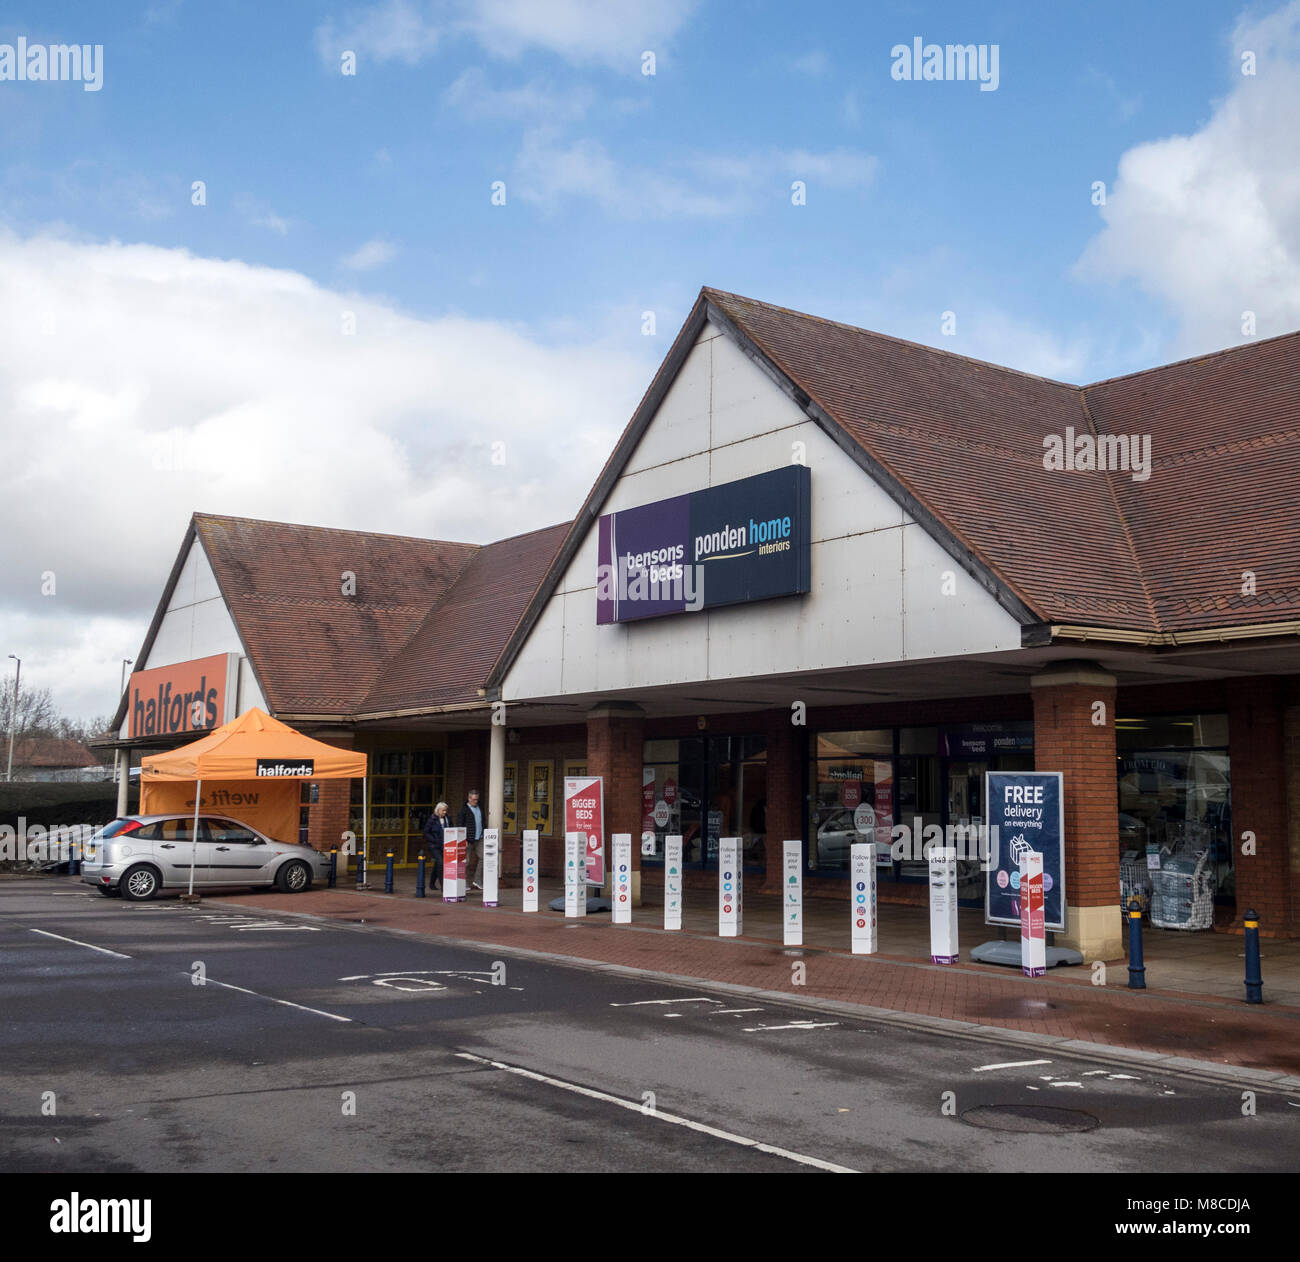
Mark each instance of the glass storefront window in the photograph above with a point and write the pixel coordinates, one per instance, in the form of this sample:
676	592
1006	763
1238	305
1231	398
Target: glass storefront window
1175	798
404	786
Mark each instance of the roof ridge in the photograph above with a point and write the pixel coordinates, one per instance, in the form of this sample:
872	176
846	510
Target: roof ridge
1193	359
330	530
892	337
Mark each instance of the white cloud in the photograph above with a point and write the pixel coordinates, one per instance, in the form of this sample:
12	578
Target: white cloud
812	63
607	32
373	253
534	102
1209	223
261	216
549	172
140	384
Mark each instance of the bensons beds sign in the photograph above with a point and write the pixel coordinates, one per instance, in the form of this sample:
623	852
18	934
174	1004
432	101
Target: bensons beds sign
729	544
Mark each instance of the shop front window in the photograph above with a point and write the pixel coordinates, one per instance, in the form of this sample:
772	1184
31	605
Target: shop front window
705	788
404	787
852	797
1175	800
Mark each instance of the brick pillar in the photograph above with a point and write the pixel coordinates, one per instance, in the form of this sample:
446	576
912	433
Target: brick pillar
1067	739
784	793
1291	756
615	735
1257	765
328	817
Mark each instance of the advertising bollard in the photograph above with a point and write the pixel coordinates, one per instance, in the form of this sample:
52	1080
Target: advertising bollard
453	865
530	869
792	898
1137	973
419	876
1033	934
491	866
943	905
575	874
731	920
388	873
673	879
622	888
334	868
1254	979
862	874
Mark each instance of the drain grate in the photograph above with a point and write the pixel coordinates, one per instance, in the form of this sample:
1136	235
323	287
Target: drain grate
1029	1119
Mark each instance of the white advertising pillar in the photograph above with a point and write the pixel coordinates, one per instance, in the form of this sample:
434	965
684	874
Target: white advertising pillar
943	905
730	894
530	869
792	898
575	874
453	865
862	878
491	866
622	887
1033	933
673	879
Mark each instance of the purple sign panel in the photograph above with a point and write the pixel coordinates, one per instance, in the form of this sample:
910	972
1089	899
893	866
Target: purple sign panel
742	541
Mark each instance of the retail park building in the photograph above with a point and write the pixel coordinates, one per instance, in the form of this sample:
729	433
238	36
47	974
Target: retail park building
898	594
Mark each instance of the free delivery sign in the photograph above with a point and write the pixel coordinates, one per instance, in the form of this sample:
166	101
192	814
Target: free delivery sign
726	545
1027	808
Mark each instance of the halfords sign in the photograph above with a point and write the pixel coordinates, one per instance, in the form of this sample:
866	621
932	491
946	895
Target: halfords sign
742	541
187	697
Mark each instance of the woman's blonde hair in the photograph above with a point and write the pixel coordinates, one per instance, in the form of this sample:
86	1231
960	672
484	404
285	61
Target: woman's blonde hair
442	806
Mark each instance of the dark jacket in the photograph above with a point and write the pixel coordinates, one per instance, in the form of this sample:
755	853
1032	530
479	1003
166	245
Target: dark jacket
433	833
465	820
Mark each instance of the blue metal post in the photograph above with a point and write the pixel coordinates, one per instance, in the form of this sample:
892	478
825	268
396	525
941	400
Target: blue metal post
334	867
361	867
419	877
388	874
1137	973
1254	980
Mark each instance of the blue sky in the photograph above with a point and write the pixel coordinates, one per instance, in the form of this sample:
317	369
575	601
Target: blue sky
143	330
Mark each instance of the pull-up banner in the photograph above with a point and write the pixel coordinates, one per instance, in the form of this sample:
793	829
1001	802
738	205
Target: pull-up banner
726	545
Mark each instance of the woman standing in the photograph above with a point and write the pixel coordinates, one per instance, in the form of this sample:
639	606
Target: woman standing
433	837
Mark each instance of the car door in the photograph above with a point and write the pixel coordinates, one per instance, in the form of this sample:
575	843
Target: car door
238	855
176	850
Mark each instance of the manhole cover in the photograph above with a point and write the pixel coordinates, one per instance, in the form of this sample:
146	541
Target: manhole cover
1029	1119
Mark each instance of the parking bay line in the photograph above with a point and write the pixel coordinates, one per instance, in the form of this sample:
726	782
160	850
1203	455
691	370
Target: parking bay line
333	1016
661	1116
75	942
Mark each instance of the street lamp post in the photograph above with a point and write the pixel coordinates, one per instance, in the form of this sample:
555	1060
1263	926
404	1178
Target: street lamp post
13	718
126	661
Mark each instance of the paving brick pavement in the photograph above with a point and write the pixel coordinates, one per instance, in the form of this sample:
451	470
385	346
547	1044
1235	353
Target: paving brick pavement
1063	1005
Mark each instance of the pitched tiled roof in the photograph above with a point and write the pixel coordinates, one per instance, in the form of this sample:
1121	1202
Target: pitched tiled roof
314	649
450	656
965	439
52	751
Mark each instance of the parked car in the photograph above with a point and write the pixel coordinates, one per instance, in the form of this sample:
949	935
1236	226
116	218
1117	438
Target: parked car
139	856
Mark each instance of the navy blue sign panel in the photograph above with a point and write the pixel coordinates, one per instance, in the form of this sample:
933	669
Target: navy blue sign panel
1028	810
729	544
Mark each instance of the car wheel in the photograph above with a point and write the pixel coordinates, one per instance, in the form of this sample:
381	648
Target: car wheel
140	884
293	878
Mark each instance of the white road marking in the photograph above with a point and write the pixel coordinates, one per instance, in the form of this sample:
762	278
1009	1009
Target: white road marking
794	1025
1065	1084
640	1003
1008	1064
727	1012
75	942
333	1016
659	1115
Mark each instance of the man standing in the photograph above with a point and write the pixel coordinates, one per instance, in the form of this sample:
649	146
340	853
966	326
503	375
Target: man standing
471	820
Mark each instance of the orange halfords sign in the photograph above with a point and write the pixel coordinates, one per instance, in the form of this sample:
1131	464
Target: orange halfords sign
186	697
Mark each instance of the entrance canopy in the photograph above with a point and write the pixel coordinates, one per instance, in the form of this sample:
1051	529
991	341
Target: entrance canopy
250	769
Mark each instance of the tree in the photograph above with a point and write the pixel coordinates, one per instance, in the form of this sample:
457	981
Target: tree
36	713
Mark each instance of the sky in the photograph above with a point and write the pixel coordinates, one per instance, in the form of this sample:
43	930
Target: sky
325	263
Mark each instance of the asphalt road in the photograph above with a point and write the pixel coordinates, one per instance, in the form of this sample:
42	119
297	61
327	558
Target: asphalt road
315	1046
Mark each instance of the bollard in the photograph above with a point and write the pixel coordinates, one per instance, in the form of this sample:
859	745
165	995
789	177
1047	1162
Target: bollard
388	874
334	867
1137	973
1254	982
361	869
419	877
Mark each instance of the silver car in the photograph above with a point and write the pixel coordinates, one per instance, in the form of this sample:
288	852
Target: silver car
139	856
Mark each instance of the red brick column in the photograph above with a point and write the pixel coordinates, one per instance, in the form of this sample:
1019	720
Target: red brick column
328	816
784	793
615	736
1076	737
1257	767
